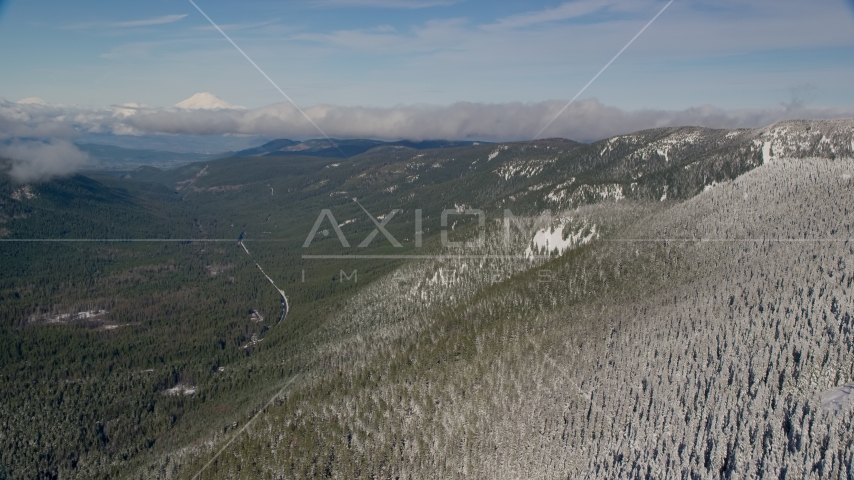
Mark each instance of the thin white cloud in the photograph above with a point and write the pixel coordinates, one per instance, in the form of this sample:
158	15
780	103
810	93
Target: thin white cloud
749	28
150	21
432	36
146	22
404	4
565	11
240	26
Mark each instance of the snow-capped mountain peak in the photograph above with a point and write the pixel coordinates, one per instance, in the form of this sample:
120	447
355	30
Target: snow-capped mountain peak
32	101
206	101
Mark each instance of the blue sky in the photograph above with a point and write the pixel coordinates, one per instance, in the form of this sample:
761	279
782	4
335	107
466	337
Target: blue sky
382	53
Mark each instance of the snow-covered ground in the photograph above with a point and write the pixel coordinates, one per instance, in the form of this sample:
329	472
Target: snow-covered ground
180	389
837	399
560	239
70	317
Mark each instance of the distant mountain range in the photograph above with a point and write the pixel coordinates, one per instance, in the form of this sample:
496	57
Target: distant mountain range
341	148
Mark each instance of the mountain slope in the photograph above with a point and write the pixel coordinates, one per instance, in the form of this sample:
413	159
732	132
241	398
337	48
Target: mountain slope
667	357
588	368
564	351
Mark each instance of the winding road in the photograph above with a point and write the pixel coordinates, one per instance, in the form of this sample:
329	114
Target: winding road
281	292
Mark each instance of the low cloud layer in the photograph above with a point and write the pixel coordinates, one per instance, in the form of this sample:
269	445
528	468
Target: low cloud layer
37	160
585	121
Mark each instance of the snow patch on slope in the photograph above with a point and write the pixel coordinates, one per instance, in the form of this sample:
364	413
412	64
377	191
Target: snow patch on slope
665	146
496	152
551	240
523	168
180	390
837	399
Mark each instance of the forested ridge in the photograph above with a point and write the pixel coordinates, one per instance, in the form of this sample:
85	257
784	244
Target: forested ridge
684	320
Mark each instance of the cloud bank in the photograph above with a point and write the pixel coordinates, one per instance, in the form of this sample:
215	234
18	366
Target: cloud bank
586	120
37	160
